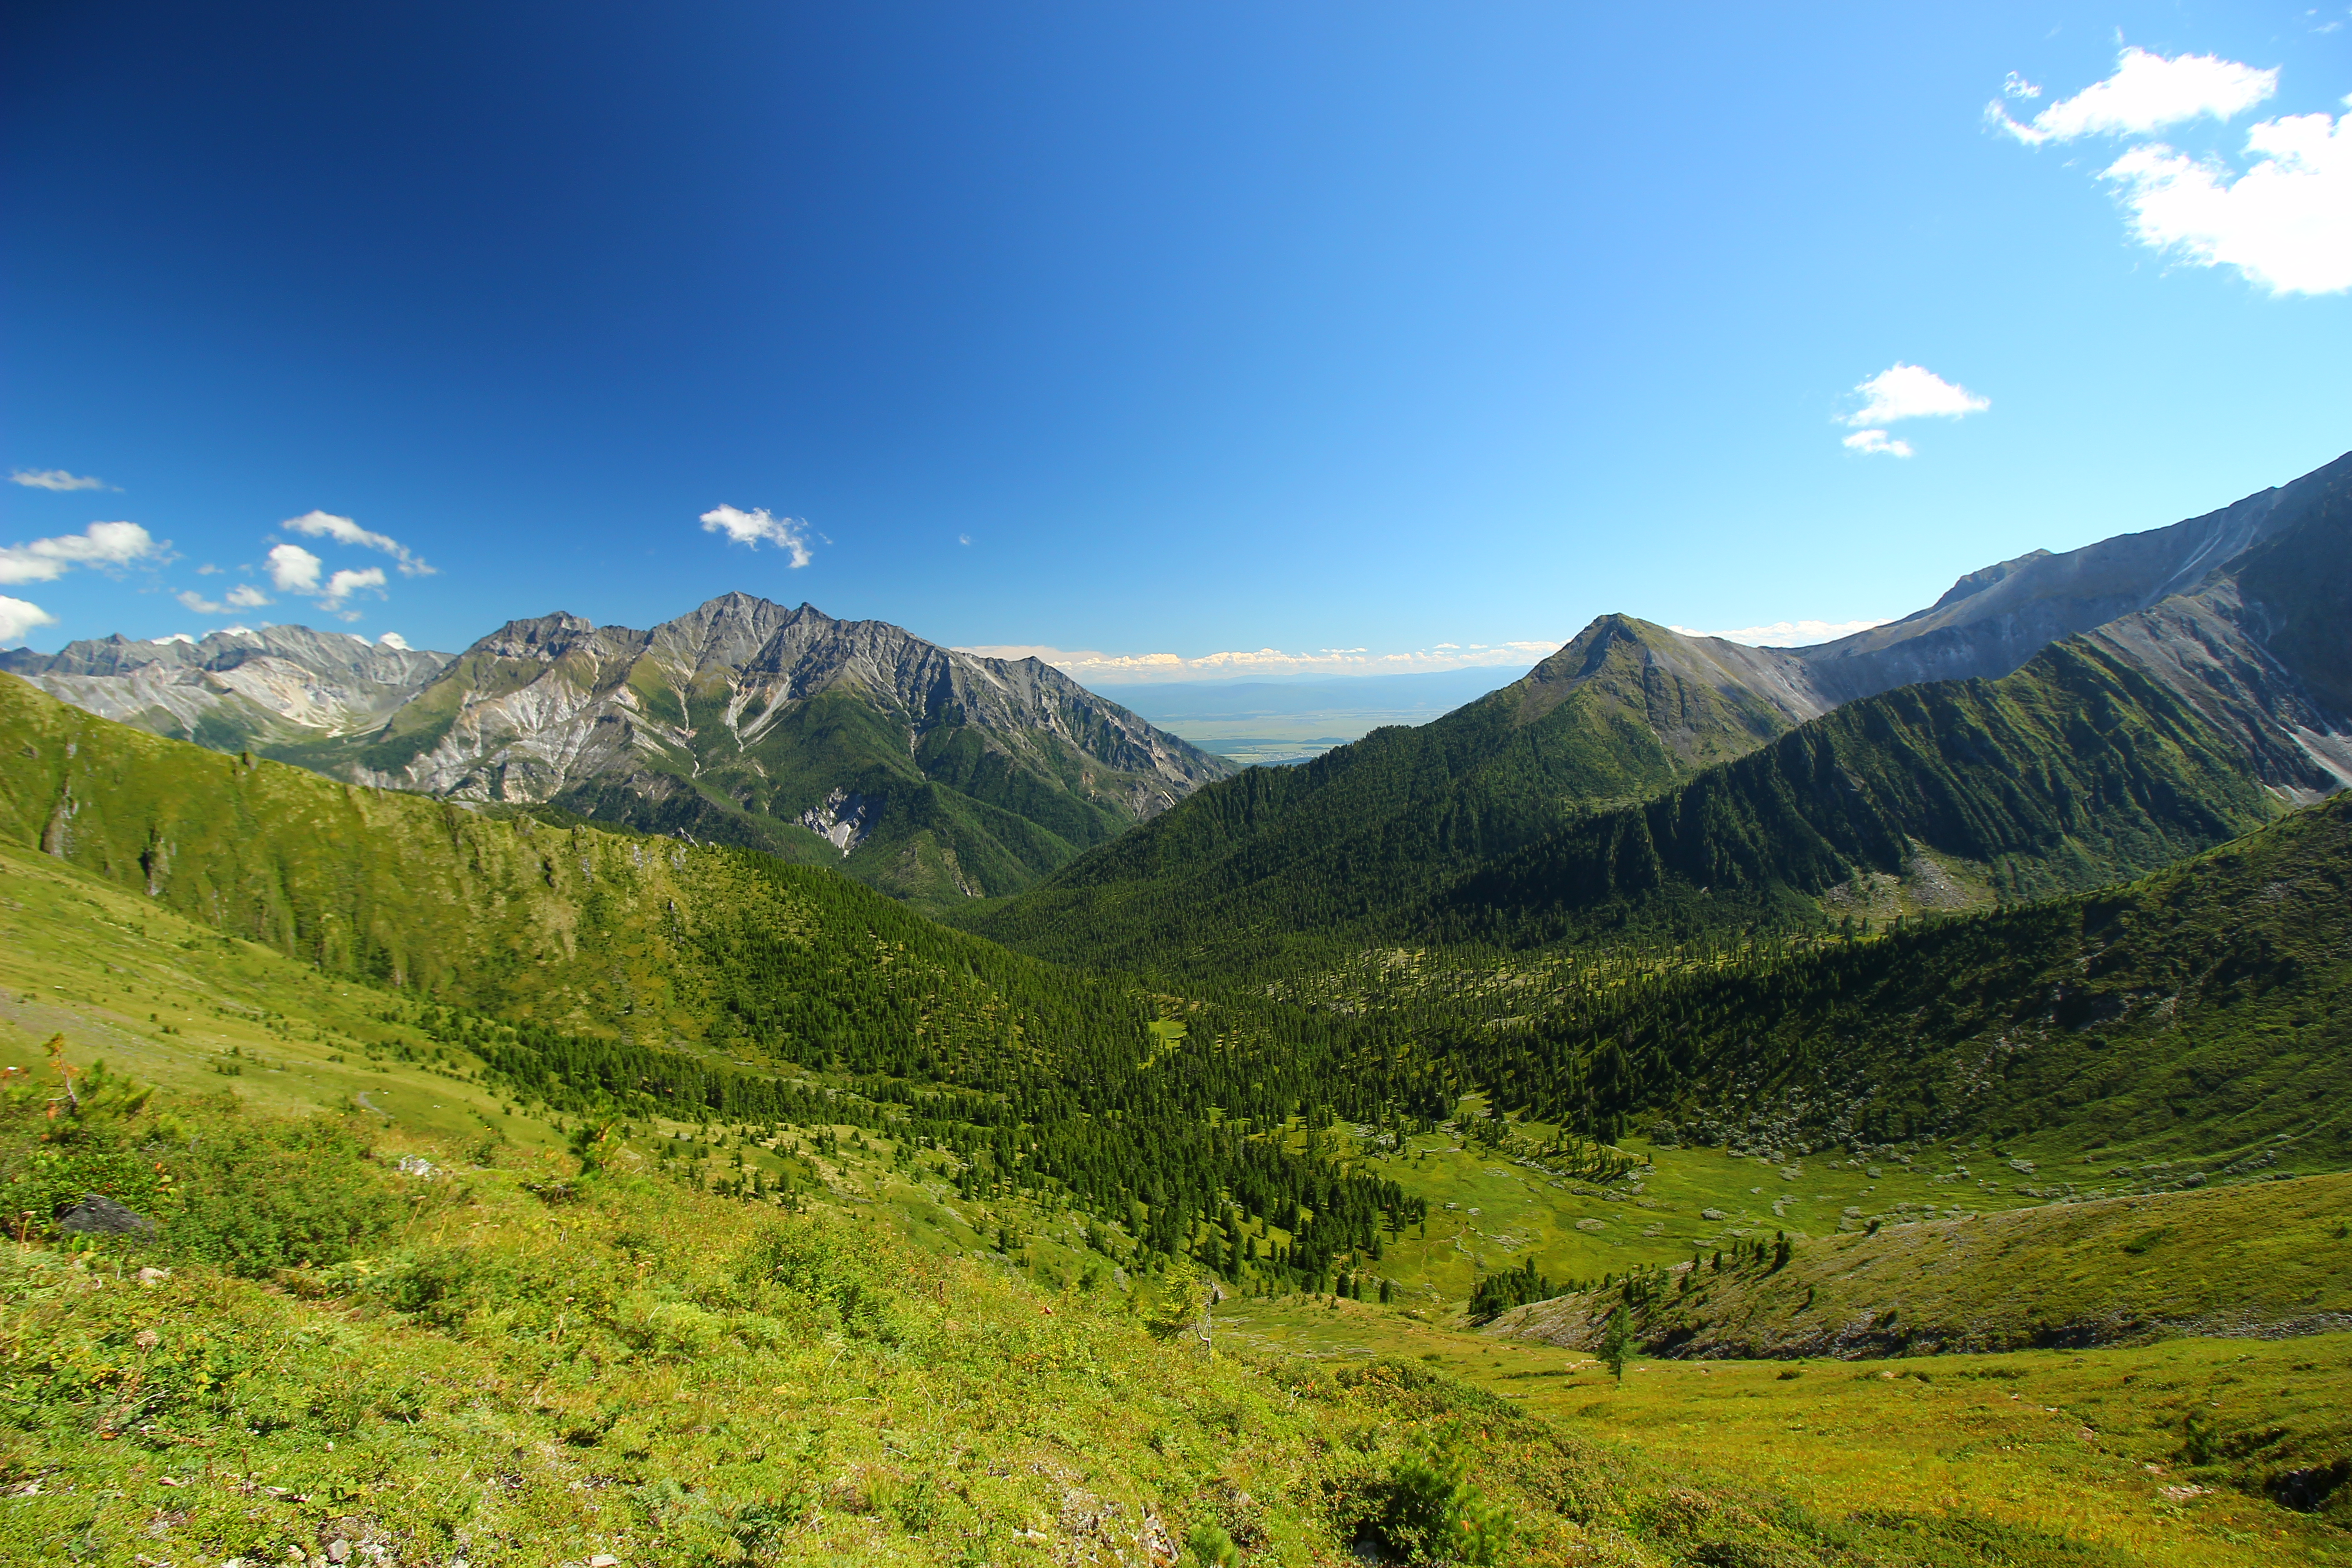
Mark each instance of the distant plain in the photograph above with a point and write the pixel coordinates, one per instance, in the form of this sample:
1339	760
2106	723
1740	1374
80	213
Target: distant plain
1267	723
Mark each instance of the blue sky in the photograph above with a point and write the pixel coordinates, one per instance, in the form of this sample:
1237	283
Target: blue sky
1146	331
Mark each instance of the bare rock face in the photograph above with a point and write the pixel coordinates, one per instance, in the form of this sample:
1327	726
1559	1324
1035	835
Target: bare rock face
278	686
743	719
1992	620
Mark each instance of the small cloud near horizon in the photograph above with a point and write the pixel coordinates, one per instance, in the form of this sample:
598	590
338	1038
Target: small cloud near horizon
244	596
54	479
295	570
1787	634
1093	667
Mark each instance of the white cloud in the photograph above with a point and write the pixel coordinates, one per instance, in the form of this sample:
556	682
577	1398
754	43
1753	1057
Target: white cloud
175	637
344	584
18	617
294	569
102	544
2147	93
2016	86
244	596
1877	441
1911	392
963	539
2285	224
54	479
394	640
787	534
1112	669
1787	634
343	530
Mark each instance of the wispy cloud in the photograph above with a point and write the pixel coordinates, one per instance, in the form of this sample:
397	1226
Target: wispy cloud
295	570
1091	665
346	582
244	596
1787	634
2285	224
54	479
343	530
790	534
2148	93
1877	442
102	544
18	617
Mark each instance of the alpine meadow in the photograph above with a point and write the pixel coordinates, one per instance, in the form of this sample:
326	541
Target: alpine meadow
1180	1018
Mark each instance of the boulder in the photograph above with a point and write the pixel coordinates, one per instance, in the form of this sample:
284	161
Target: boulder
96	1214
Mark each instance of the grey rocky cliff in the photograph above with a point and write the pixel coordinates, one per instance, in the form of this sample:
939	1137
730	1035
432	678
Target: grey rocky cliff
749	721
278	685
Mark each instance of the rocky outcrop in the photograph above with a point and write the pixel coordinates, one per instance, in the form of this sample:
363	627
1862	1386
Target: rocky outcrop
743	717
281	685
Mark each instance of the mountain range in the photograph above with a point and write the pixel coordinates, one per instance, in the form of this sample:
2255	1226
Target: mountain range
935	775
2050	724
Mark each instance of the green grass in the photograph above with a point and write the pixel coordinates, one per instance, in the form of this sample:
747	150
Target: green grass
1491	1211
2265	1258
2086	1445
509	1380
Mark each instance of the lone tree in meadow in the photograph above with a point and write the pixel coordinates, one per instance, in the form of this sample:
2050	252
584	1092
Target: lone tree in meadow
1616	1341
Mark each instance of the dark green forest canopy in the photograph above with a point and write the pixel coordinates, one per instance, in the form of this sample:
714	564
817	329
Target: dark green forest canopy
2202	1010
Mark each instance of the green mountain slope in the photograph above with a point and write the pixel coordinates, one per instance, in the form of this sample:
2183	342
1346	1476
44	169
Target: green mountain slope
1624	710
2078	769
2193	1025
625	976
2258	1260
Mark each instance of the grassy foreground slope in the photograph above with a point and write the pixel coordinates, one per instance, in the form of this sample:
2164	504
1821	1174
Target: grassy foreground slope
623	977
2187	1451
490	1359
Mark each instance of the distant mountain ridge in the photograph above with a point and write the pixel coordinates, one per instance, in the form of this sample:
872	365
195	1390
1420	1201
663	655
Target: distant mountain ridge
2051	722
284	689
933	773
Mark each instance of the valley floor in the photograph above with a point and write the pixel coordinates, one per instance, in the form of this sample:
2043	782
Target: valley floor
2088	1444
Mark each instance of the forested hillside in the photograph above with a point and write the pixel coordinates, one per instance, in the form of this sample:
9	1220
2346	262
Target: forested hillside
2196	1021
2077	770
615	974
